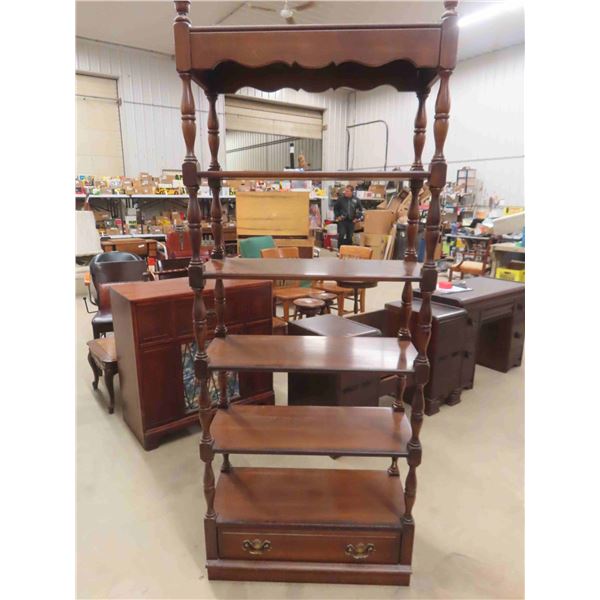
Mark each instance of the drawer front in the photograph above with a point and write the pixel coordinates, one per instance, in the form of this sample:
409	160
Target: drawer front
497	312
310	545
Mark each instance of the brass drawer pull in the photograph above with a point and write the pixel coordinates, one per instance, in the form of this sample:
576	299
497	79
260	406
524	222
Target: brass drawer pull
360	551
256	546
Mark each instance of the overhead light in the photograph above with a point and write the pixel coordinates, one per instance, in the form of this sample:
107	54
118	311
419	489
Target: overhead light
490	12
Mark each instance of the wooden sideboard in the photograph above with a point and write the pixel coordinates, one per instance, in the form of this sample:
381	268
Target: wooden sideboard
154	340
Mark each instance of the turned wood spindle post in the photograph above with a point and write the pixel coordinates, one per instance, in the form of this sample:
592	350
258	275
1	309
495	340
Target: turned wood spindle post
206	411
218	251
215	183
411	235
429	273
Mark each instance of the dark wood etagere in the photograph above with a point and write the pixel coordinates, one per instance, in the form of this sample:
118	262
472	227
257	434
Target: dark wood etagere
311	525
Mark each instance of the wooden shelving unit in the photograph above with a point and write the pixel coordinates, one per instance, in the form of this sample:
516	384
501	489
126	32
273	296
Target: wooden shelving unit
313	525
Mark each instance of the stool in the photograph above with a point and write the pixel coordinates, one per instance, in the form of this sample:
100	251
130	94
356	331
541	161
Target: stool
102	356
307	307
279	326
357	285
327	297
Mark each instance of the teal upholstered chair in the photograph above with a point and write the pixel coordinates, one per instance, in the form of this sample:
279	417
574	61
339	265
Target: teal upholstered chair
251	247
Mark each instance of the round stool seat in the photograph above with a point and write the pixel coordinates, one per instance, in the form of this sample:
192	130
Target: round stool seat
307	307
355	286
327	298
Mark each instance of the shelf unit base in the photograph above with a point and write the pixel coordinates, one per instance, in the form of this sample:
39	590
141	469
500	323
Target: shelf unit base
308	572
309	525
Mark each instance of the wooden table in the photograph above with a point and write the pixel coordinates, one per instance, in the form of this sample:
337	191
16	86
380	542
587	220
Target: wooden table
142	246
153	333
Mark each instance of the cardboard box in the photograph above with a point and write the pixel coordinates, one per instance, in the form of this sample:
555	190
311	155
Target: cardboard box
378	191
379	221
376	241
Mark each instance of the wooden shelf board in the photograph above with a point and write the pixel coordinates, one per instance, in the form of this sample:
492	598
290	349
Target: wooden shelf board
311	353
309	498
313	269
316	175
311	430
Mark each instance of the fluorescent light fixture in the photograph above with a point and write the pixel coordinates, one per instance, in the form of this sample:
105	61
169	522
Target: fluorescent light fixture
490	12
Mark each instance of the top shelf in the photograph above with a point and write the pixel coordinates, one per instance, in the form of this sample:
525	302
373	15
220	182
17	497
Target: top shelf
315	175
316	58
314	269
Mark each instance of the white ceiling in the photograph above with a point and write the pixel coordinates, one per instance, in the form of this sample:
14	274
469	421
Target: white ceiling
147	24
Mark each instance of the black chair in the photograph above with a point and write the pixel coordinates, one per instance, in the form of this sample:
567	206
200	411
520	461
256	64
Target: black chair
103	257
106	271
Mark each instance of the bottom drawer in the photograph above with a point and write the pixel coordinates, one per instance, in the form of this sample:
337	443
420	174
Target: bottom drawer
340	546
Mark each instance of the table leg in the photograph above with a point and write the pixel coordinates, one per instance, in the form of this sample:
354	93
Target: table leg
109	373
355	301
95	370
286	310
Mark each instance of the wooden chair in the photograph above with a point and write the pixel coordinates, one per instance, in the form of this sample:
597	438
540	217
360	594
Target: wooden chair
171	268
285	292
347	253
471	267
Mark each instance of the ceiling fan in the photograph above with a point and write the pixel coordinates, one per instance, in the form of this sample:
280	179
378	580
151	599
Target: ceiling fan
287	12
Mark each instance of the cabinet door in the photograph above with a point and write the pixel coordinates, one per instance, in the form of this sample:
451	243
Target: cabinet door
162	385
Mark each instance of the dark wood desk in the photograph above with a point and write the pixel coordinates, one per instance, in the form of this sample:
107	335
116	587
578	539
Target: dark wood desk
153	334
495	324
446	352
339	389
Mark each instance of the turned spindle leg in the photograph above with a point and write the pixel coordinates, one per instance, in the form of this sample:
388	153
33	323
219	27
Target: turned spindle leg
428	283
206	411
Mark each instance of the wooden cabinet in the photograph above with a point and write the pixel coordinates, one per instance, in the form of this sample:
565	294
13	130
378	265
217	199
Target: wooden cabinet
153	333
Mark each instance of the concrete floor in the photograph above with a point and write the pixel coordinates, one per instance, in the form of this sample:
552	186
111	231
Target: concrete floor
139	517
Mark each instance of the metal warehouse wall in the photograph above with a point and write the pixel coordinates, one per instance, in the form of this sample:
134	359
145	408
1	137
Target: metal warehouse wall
335	105
268	157
486	124
150	91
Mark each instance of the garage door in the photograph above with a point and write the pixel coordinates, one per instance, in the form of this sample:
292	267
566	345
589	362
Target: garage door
278	119
99	144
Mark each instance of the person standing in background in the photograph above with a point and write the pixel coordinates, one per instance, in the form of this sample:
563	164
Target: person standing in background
347	211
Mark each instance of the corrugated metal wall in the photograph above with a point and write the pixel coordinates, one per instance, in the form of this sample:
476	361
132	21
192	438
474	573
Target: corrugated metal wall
150	119
334	103
486	124
150	90
272	157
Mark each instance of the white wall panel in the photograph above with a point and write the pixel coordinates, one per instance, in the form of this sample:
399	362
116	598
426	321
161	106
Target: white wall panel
334	103
486	124
150	90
